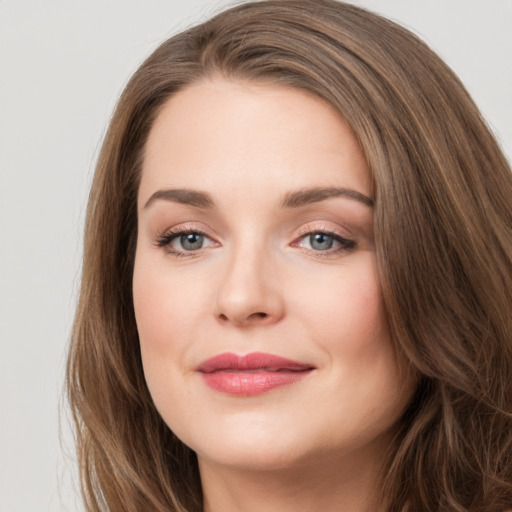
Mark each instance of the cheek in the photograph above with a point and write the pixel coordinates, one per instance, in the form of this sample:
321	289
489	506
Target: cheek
165	303
162	323
346	319
159	302
345	309
151	299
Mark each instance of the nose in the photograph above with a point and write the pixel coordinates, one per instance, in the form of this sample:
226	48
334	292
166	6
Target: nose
249	293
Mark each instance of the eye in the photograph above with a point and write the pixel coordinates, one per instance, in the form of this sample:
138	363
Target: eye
180	242
322	241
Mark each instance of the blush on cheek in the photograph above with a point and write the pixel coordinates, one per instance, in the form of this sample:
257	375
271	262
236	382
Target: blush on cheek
150	310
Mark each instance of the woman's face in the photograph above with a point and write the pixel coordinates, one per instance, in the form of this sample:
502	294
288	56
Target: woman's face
262	330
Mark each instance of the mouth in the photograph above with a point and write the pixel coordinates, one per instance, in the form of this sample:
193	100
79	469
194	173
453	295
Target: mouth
252	374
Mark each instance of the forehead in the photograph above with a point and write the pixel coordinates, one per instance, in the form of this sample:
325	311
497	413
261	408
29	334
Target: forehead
250	137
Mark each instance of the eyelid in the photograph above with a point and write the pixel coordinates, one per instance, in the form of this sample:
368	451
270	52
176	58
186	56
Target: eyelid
164	239
321	227
345	243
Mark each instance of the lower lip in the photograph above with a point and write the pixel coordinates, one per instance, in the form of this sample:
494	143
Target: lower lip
251	383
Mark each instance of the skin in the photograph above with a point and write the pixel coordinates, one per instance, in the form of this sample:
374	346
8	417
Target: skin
260	283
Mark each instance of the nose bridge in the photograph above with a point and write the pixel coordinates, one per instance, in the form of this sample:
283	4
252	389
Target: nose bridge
248	292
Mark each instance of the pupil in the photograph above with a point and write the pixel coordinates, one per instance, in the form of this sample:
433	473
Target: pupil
321	241
191	241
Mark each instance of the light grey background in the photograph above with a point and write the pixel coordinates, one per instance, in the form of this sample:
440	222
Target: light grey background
62	65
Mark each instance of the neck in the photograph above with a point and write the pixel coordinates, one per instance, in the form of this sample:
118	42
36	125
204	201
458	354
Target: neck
327	485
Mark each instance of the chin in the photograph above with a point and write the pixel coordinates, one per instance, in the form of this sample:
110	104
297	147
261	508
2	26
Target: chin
251	457
253	445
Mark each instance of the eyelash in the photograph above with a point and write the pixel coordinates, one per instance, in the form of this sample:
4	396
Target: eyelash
165	240
346	245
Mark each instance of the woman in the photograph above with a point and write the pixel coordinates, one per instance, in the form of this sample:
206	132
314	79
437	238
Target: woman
297	277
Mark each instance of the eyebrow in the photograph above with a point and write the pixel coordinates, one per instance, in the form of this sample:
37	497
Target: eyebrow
307	196
183	196
294	199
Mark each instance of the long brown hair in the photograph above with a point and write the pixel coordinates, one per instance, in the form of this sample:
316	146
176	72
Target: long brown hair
443	224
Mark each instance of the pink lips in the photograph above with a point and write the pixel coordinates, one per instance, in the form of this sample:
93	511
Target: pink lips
251	374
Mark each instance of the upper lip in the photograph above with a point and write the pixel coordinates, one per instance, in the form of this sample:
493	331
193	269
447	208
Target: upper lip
252	361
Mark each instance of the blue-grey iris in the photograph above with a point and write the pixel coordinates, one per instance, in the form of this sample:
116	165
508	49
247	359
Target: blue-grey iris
191	241
321	241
